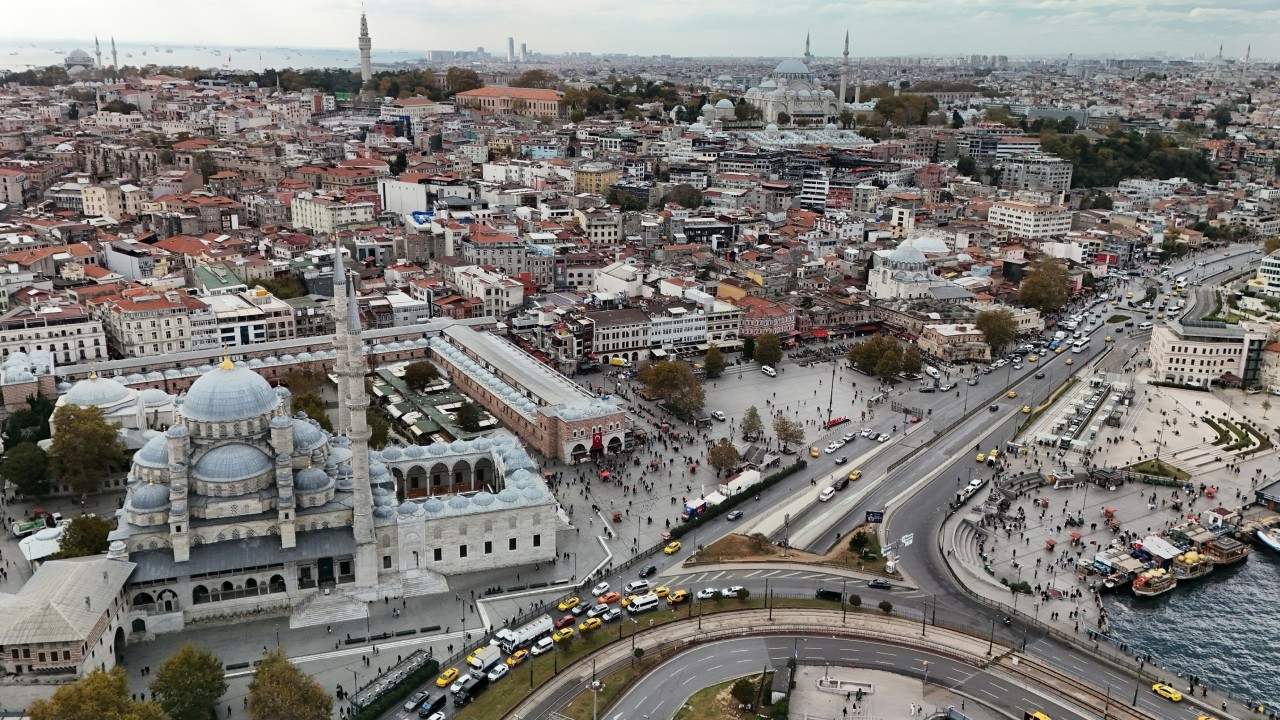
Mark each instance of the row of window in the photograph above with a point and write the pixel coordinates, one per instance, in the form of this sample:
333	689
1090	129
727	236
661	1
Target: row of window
437	554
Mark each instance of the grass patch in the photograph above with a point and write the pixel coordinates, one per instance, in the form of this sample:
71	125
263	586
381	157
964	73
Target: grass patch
1117	318
715	702
1160	468
1223	435
615	683
1243	438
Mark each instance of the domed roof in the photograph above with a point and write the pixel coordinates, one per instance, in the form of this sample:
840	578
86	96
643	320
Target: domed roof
408	507
697	128
154	454
907	254
311	479
708	106
306	434
791	66
155	396
433	505
150	497
771	128
724	104
97	392
229	393
231	462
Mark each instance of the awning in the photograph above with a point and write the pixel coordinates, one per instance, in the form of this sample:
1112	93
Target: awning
868	327
821	333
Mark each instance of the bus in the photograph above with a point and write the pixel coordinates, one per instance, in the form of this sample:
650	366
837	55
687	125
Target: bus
1080	345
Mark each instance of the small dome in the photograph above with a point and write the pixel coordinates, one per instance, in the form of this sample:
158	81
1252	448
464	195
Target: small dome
415	451
532	493
830	126
377	469
433	506
771	128
708	107
283	393
97	392
281	422
152	397
724	104
480	445
150	497
407	508
230	463
172	374
63	387
155	454
177	431
483	499
458	502
307	434
459	446
311	479
383	513
391	453
229	393
508	496
437	449
154	375
697	128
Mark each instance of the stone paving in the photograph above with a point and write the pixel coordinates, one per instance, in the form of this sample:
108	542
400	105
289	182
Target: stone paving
821	694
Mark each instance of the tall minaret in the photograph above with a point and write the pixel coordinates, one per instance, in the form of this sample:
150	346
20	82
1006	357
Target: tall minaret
340	362
357	402
808	58
97	51
115	66
1244	69
844	73
857	88
366	45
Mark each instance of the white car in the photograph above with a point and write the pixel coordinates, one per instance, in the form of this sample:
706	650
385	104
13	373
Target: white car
718	415
868	433
884	437
600	589
545	645
460	684
732	590
498	671
848	437
832	448
706	593
826	494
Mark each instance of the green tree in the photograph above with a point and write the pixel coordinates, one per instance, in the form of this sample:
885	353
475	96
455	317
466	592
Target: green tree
468	416
535	79
284	287
789	432
189	684
998	329
890	363
29	424
846	118
858	541
912	360
855	600
280	691
313	406
673	383
379	428
966	166
400	163
1045	287
723	456
85	535
748	348
1222	116
119	106
752	425
1271	244
203	163
85	449
957	121
303	381
626	201
27	467
768	349
784	118
96	696
714	362
686	196
746	111
462	79
744	691
885	606
419	375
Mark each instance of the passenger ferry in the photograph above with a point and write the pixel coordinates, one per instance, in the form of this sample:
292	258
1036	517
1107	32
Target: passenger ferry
1226	551
1191	565
1156	581
1269	537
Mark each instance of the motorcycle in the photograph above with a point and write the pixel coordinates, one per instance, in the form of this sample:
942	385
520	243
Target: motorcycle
1008	620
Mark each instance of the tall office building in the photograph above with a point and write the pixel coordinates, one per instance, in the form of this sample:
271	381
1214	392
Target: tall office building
511	49
524	52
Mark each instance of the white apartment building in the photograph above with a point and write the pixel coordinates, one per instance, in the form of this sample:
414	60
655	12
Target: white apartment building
1031	220
156	323
1268	278
106	200
327	214
251	317
1200	353
1037	172
677	326
13	187
501	294
68	331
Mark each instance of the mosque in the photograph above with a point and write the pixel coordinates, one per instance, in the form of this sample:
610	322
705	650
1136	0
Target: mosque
792	89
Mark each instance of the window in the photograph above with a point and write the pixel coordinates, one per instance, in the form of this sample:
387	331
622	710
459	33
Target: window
386	562
511	543
488	547
462	551
537	540
437	555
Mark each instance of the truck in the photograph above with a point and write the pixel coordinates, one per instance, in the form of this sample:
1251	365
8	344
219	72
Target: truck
24	529
483	660
693	509
739	483
523	636
970	490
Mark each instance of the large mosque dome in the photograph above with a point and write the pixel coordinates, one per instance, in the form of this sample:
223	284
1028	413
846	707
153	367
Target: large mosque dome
791	66
227	394
96	392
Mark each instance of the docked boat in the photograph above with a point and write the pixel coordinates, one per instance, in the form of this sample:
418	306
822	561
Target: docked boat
1226	551
1156	581
1269	537
1116	580
1191	565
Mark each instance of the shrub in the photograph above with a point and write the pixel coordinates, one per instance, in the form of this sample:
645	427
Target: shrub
886	606
855	599
743	691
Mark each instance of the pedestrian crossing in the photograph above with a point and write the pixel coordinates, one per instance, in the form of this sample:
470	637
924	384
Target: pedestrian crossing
711	577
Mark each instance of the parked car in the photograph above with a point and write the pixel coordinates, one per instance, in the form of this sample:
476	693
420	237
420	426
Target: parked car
649	571
600	589
718	415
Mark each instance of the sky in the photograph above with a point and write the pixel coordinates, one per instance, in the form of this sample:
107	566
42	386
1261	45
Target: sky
747	28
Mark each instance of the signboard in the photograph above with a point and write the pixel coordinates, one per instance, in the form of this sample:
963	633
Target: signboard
875	516
908	539
597	440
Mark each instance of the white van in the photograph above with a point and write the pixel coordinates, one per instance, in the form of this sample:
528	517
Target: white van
644	603
636	586
767	370
1145	326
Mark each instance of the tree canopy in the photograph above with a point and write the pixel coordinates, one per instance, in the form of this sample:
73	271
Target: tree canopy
880	355
96	696
27	467
1045	287
280	691
768	349
29	424
469	415
789	432
723	456
85	535
85	449
189	684
714	362
535	78
912	360
420	374
998	328
686	196
674	383
313	405
1124	155
752	425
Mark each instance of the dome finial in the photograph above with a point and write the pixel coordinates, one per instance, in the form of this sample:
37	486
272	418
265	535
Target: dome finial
93	371
226	363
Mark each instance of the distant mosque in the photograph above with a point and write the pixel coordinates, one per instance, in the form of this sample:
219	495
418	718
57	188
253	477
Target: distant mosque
792	89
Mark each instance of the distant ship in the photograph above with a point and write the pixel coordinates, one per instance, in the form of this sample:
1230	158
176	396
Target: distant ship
1270	537
168	50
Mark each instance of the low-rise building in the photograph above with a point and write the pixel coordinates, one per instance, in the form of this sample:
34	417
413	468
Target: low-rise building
1204	353
954	342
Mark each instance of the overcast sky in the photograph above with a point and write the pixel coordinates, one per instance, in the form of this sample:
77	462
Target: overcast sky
678	27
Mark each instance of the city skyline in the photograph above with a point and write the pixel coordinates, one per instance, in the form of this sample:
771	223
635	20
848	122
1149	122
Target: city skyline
718	28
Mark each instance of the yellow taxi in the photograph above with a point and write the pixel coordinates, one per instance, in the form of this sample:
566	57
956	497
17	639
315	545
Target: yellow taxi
517	657
1012	394
662	591
563	633
1058	350
677	596
1177	293
1037	715
1026	409
1167	692
447	677
1159	316
589	624
1071	361
1166	296
672	547
568	603
1110	339
1129	294
1033	358
855	475
1226	253
982	457
813	452
626	601
993	454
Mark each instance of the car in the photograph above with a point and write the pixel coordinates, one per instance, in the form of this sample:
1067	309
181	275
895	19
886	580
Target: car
832	448
1033	358
706	594
986	371
672	547
1060	349
947	388
855	476
1039	375
814	452
788	451
883	437
433	716
497	672
1017	366
718	415
564	621
842	459
1129	294
1013	393
1128	323
848	437
649	571
613	614
868	433
826	494
927	388
732	591
1109	339
1070	361
1037	715
543	645
589	624
840	483
597	610
460	684
993	407
626	601
600	589
993	453
662	591
879	584
982	457
1026	409
733	515
609	597
1167	692
971	381
447	677
517	657
568	603
677	596
415	700
562	634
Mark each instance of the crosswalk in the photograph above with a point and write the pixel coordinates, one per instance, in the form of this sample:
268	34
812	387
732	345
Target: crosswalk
711	577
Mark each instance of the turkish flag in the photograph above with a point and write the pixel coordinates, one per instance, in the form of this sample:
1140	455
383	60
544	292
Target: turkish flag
597	440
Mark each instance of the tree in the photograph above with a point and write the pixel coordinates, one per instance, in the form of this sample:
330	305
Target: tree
723	456
534	79
957	121
284	287
784	118
790	432
749	348
1045	287
746	111
85	449
379	428
998	328
469	416
29	424
85	535
714	362
95	696
673	383
203	163
119	106
752	425
420	374
1266	407
855	600
846	118
890	363
965	165
189	684
768	349
400	163
1271	245
462	79
858	541
1222	116
912	360
27	467
686	196
744	691
303	381
280	691
885	606
313	406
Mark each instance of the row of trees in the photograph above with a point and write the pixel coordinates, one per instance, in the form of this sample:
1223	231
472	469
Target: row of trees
189	686
1127	154
85	451
724	456
884	357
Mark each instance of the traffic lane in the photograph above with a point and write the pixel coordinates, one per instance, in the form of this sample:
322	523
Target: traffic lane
664	690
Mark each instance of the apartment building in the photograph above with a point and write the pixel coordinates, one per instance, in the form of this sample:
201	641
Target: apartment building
1268	278
517	101
327	214
620	333
954	342
67	331
677	325
136	261
501	294
1204	353
13	187
595	177
487	246
251	317
1037	172
1030	220
147	322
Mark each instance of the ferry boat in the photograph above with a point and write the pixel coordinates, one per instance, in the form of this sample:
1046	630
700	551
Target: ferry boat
1269	537
1156	581
1191	565
1116	580
1226	551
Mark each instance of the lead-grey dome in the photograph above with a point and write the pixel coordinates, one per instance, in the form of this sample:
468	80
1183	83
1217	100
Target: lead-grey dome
154	454
230	463
96	392
307	435
150	497
791	66
227	394
311	479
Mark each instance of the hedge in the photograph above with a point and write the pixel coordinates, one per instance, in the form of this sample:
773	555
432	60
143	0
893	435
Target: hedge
396	695
735	500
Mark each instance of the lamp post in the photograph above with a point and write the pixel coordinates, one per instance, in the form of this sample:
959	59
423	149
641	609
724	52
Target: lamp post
991	639
832	395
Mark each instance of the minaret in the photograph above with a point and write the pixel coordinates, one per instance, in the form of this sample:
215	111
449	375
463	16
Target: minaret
1244	69
844	73
97	51
115	66
857	88
340	362
808	58
357	402
366	45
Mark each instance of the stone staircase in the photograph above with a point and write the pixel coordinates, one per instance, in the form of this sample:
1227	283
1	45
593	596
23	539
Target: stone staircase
423	582
327	610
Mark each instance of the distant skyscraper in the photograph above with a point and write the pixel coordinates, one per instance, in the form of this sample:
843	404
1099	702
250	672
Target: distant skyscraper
366	45
524	52
511	49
